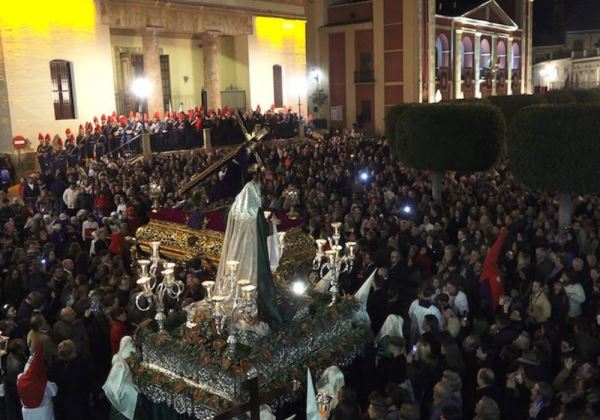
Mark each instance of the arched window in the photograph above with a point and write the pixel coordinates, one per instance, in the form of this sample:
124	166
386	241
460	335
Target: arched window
501	55
442	53
466	55
485	56
62	89
516	57
466	59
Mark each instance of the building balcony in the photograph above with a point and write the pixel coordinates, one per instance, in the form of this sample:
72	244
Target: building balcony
364	76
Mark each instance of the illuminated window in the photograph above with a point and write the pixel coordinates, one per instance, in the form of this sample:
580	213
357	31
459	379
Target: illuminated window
501	55
516	57
466	55
442	54
485	57
62	89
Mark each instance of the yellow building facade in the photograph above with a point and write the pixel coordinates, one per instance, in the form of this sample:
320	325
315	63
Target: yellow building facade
64	62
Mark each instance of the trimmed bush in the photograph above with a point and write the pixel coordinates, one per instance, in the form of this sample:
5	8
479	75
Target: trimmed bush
391	118
560	97
510	105
586	96
454	137
557	147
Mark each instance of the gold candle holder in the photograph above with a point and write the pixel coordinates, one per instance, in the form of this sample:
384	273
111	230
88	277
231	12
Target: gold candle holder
331	254
232	265
154	246
338	251
208	286
144	264
145	283
336	227
218	305
320	244
168	276
351	246
248	292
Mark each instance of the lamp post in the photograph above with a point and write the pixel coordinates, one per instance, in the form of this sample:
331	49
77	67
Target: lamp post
141	88
300	88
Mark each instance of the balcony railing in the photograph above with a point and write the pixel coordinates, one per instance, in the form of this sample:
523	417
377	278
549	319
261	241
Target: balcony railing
364	76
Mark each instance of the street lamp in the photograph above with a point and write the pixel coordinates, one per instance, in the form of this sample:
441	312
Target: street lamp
300	88
141	88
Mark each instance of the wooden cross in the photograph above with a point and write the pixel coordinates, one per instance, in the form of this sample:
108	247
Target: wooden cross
253	403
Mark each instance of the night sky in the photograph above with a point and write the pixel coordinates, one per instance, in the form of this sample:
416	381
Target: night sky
550	17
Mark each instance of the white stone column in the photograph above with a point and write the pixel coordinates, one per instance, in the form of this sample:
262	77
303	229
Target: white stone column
494	52
210	55
529	64
431	48
150	49
5	120
477	64
457	63
509	60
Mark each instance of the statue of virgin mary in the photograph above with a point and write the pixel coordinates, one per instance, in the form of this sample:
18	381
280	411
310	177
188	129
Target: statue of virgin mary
245	241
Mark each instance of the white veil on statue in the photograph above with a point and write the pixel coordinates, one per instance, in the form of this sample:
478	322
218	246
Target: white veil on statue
240	242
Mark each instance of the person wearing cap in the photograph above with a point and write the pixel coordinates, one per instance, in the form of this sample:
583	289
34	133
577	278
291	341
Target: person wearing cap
40	150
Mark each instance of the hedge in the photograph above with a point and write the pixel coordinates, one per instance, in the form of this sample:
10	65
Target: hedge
457	137
560	97
391	118
586	96
557	147
510	105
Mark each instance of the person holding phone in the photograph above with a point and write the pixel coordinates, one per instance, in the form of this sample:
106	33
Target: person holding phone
541	401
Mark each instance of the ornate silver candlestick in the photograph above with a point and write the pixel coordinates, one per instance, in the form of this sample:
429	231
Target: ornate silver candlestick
153	293
333	261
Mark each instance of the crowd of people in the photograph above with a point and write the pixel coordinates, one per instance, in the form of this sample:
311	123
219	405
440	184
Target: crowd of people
481	307
116	135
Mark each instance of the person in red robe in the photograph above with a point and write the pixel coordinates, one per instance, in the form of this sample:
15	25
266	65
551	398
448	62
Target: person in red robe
35	391
491	273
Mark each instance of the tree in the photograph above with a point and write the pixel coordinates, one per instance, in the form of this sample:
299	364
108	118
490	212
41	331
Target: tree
586	96
557	148
560	96
391	118
449	137
510	105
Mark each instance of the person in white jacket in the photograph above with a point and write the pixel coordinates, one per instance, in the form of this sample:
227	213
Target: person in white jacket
458	298
575	293
69	197
421	307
